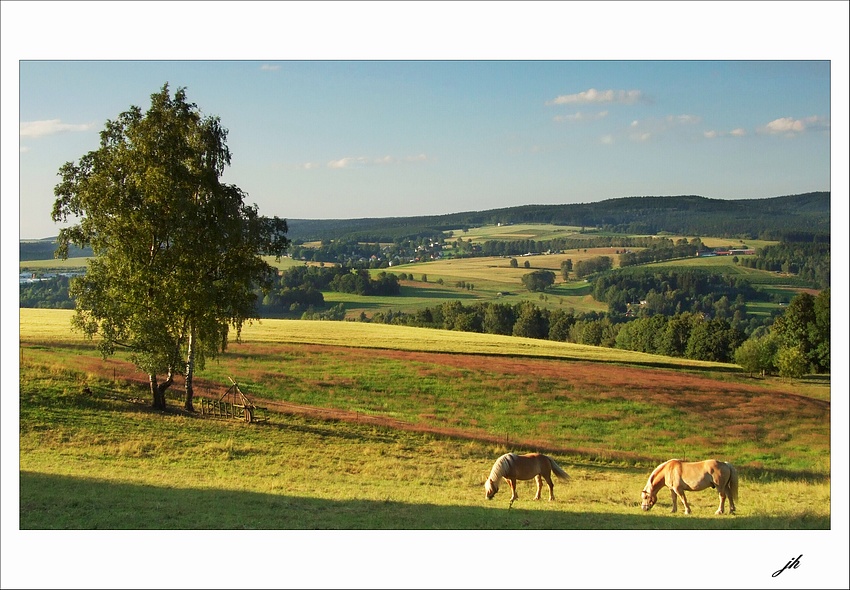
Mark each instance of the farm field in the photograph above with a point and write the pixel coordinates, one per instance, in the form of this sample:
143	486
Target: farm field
485	279
398	433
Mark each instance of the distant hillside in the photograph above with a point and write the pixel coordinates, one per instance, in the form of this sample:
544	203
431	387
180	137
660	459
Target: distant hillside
773	218
769	218
44	249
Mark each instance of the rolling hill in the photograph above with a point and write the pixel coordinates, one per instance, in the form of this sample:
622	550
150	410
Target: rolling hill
771	218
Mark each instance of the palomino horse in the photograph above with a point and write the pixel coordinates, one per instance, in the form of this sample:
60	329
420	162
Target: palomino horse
693	477
530	466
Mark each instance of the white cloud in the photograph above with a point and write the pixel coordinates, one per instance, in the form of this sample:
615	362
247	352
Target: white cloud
593	96
790	127
581	116
710	134
738	132
606	139
49	127
269	68
785	125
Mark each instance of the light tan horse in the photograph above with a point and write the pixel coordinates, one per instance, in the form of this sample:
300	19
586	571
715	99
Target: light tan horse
512	467
680	477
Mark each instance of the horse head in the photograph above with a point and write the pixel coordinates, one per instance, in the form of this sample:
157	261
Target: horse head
490	488
648	499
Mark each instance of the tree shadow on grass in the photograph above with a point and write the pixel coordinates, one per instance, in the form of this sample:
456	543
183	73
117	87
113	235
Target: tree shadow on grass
52	502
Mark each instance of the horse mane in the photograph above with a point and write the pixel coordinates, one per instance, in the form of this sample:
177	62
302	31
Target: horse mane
501	467
655	472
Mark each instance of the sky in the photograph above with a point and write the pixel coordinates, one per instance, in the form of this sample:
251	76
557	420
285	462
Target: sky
358	109
348	139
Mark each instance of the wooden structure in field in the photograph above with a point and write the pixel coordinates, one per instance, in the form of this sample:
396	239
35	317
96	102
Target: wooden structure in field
234	405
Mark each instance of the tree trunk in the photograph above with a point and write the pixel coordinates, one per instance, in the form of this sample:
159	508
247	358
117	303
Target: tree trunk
190	372
158	389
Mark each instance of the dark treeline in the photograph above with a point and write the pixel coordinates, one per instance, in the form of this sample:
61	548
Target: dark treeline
793	217
659	252
354	254
670	291
299	288
809	260
685	335
51	293
768	219
520	247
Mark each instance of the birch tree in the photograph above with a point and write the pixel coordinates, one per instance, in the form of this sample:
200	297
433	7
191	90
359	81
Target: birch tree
177	253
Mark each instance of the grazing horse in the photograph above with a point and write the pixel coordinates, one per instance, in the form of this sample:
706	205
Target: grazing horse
530	466
680	476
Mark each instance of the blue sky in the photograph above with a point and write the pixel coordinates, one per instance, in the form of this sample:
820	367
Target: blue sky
358	109
347	139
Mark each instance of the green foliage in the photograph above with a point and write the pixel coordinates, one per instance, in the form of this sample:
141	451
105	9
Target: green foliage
791	361
566	268
591	266
52	293
539	280
805	325
758	354
530	322
176	253
809	260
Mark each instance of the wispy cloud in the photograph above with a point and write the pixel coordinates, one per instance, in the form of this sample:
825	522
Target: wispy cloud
50	127
581	116
348	162
790	127
712	134
682	119
643	130
593	96
352	162
269	67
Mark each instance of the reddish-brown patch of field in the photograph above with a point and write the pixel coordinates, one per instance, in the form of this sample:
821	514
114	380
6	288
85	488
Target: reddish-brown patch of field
728	405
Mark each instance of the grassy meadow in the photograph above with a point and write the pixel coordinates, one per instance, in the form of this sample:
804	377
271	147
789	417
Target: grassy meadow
400	430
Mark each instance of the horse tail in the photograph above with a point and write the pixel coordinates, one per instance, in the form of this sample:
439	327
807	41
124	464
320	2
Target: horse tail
732	485
557	469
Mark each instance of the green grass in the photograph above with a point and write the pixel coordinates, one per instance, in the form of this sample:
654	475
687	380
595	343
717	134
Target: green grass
106	461
287	496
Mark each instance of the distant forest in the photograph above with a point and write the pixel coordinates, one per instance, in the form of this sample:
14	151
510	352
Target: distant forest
777	218
793	218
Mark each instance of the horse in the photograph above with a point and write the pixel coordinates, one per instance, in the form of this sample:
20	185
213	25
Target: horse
512	467
680	476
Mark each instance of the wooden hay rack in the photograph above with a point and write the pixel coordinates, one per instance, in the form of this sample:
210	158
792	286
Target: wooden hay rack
234	405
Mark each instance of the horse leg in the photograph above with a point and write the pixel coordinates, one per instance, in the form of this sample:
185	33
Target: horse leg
728	496
539	481
514	496
551	487
675	499
722	503
684	501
